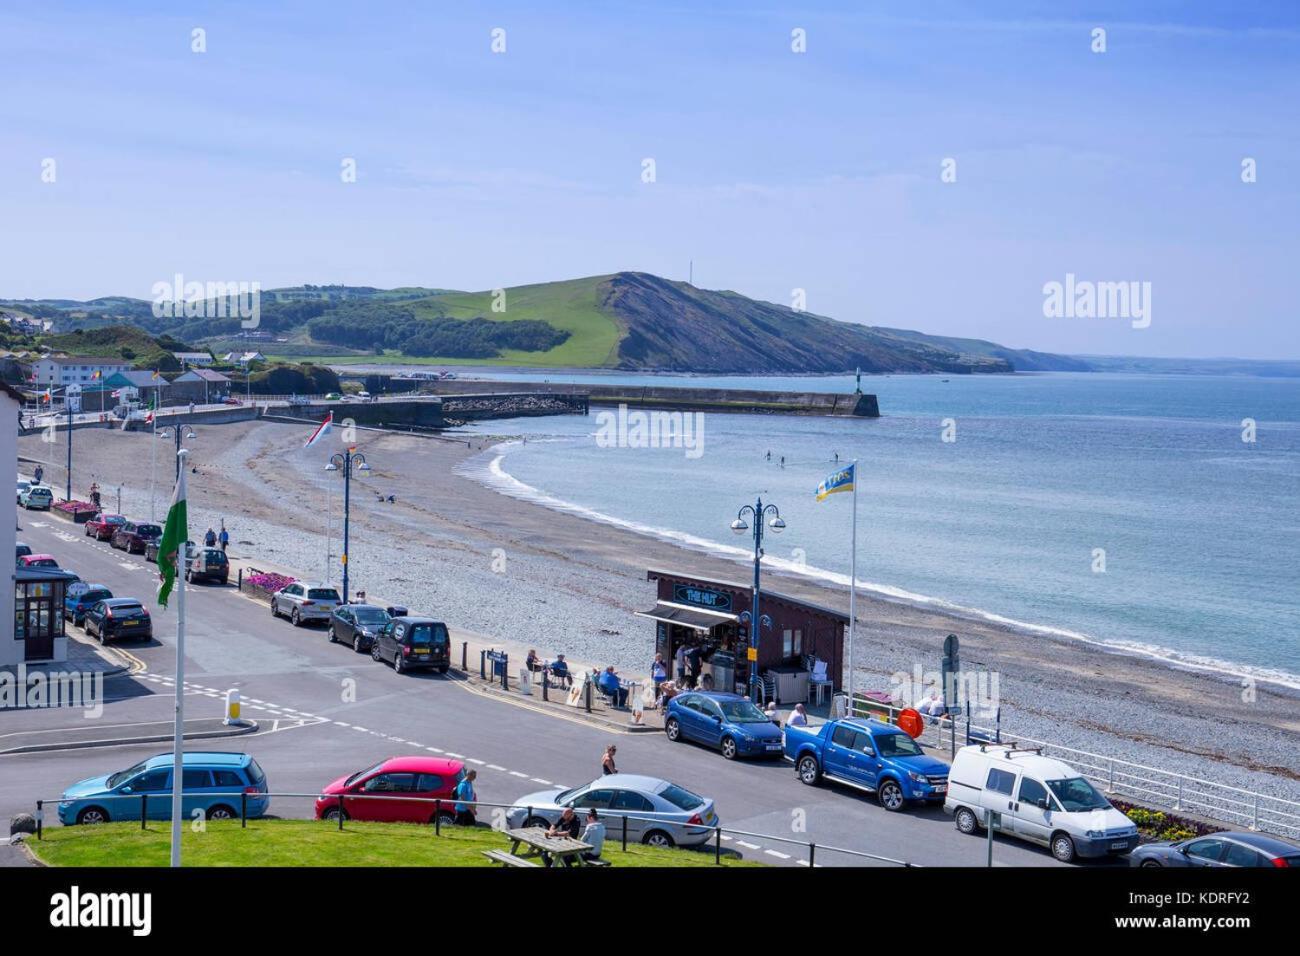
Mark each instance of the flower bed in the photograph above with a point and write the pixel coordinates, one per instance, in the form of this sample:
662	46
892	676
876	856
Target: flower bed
265	583
76	511
1163	825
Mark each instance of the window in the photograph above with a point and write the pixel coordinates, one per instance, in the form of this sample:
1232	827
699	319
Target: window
681	798
632	802
792	643
255	772
862	744
150	782
1077	794
430	783
897	745
1205	849
1239	855
600	799
843	736
227	780
195	779
1001	781
1031	791
391	783
323	594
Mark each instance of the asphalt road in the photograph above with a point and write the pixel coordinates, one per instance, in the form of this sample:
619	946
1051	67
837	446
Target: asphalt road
326	711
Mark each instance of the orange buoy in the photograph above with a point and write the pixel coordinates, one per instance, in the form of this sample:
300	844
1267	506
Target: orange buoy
911	723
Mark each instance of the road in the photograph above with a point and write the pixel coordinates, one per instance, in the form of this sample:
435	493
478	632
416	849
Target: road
325	711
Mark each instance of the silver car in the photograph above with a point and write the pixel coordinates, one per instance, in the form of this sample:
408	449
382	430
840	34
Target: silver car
659	813
301	602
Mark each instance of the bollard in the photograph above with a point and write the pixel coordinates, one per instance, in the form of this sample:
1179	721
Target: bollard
587	695
546	683
437	818
505	671
144	809
241	579
340	812
717	846
40	816
232	709
812	855
482	665
243	810
464	656
625	834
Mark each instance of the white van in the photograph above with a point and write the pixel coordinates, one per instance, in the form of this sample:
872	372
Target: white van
1040	799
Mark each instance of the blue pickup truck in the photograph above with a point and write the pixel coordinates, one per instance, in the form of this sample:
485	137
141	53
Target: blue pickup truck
870	755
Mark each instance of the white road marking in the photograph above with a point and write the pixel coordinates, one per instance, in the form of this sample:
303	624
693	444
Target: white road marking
544	783
490	766
779	856
748	846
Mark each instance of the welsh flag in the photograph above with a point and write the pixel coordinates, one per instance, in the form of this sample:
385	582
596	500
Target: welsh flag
172	543
153	407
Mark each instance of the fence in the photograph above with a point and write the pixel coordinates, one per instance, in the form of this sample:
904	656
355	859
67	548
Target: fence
1150	786
703	838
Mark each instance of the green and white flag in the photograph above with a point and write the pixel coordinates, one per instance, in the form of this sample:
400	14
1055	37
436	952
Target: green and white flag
171	545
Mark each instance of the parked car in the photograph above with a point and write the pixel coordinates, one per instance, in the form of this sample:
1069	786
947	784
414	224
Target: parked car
301	602
333	397
870	755
151	549
102	526
726	721
37	498
1219	850
116	618
37	561
80	598
22	551
357	624
413	642
407	784
23	485
1040	800
216	783
659	813
133	537
208	564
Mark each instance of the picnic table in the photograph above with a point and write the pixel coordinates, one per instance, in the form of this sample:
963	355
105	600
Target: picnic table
560	849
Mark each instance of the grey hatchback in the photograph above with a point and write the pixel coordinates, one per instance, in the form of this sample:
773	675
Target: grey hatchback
1224	849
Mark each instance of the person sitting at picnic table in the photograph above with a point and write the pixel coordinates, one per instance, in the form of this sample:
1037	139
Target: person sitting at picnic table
611	685
560	670
799	718
567	826
594	834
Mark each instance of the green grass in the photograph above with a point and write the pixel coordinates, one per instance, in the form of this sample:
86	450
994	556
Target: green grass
312	843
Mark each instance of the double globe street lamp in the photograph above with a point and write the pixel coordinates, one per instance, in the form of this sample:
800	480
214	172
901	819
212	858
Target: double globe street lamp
761	514
347	461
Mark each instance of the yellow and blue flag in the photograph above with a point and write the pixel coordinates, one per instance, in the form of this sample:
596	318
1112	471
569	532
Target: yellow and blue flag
841	480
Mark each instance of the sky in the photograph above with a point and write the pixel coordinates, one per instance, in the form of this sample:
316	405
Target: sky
773	170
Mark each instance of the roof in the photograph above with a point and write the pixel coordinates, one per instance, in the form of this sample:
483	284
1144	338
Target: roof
37	575
698	618
654	574
139	379
633	781
1269	844
193	355
1045	767
201	375
422	765
216	758
83	360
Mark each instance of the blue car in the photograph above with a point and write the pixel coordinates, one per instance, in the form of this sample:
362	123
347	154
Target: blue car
216	783
726	721
80	598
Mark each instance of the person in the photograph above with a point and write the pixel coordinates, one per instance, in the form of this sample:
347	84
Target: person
560	669
693	665
593	834
681	663
224	538
465	798
567	826
658	672
932	708
612	686
667	691
40	473
533	662
799	718
607	762
772	715
94	494
210	539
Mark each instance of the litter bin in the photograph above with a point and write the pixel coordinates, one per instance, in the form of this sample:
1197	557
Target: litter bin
525	685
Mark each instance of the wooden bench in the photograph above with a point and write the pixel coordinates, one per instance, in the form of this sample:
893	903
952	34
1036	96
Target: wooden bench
508	859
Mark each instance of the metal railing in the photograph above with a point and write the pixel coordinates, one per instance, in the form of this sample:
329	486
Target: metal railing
443	813
1150	786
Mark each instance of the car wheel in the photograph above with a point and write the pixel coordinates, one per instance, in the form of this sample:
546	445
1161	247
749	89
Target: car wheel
536	822
808	771
673	729
332	814
398	665
294	618
658	838
374	652
1063	847
92	815
334	638
891	796
356	643
967	822
729	748
275	612
221	812
448	819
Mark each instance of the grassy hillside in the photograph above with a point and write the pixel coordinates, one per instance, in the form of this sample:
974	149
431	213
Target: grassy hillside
143	350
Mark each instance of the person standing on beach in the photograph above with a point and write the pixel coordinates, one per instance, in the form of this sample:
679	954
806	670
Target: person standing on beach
210	539
465	799
224	537
40	473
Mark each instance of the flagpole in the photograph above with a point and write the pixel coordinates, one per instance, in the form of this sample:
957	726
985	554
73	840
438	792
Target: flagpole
153	461
853	582
178	775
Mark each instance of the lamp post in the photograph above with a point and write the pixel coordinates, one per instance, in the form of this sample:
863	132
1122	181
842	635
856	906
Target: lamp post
347	461
180	433
67	401
759	512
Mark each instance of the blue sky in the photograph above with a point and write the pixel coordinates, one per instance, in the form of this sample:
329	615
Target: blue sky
775	170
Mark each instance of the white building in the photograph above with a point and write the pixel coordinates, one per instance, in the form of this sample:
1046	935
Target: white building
60	370
243	358
194	359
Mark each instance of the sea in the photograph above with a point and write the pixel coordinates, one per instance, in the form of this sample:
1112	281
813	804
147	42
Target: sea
1156	514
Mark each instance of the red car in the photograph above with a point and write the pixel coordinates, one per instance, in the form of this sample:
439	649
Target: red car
133	538
407	785
37	561
104	524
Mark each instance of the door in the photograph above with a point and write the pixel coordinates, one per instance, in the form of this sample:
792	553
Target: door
690	718
710	722
39	633
196	792
1205	853
600	799
154	784
385	787
866	761
838	754
999	791
1031	813
633	806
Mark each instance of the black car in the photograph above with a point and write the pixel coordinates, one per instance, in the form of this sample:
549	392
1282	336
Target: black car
411	642
357	624
133	537
118	618
1225	849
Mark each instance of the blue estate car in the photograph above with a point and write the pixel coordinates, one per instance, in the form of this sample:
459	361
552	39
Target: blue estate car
725	721
80	598
213	782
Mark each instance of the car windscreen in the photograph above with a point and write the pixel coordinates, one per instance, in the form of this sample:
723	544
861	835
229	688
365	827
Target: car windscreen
148	530
90	597
371	615
742	712
322	594
897	745
214	557
122	776
681	797
43	563
126	610
428	634
363	773
1076	793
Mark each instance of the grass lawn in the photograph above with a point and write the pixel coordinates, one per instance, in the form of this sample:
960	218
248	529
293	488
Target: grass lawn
312	843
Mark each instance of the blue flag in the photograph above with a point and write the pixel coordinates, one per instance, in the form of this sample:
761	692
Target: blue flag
841	480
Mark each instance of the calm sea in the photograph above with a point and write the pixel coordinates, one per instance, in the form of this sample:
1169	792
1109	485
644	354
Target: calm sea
1049	476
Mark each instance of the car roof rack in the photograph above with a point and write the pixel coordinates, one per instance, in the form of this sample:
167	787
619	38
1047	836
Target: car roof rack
1010	749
